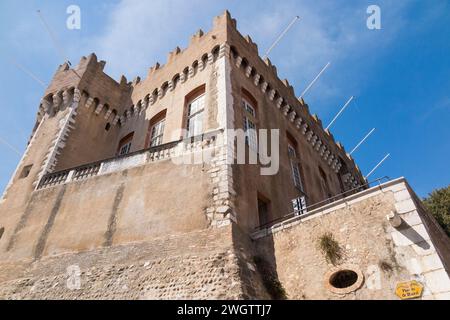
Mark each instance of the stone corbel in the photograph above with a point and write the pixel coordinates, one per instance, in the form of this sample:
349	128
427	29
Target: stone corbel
171	85
318	145
224	50
304	128
182	77
76	95
66	97
99	108
108	114
248	71
279	102
201	65
46	105
286	109
292	116
314	140
151	99
191	72
56	101
116	119
331	159
256	79
238	62
264	86
89	102
210	58
272	94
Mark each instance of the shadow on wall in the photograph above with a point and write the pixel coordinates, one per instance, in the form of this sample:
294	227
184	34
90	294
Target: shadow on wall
406	230
258	269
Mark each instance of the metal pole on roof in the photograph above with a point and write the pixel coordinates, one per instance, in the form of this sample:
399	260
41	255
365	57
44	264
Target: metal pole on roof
280	36
340	111
314	81
379	164
362	141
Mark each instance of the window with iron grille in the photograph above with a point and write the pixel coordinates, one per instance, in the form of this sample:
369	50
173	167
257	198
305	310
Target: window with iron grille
195	116
299	205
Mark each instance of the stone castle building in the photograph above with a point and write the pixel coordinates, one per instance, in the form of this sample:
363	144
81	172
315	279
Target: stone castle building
107	201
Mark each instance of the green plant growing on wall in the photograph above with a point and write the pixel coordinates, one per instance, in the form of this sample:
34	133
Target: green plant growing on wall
270	279
330	248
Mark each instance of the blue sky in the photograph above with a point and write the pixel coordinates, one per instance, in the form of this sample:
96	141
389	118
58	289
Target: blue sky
399	74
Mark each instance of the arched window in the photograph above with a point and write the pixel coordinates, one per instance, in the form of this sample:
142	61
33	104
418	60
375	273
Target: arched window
156	129
195	106
125	144
249	106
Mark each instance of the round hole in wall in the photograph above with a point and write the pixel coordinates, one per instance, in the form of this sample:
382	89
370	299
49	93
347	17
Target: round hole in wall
344	279
108	126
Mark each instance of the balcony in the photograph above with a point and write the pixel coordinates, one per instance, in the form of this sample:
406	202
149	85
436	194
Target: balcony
141	157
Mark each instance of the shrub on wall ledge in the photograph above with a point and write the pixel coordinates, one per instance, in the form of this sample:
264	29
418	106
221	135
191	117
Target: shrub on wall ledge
330	248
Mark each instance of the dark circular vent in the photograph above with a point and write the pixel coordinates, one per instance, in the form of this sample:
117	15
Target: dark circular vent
343	279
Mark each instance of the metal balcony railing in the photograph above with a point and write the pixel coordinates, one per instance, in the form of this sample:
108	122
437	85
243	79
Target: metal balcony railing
319	204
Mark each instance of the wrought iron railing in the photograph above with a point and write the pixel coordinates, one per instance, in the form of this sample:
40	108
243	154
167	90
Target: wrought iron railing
304	211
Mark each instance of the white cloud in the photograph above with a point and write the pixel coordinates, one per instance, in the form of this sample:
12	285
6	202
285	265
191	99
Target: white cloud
138	33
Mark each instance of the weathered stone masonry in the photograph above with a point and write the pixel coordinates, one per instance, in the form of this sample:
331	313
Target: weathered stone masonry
153	224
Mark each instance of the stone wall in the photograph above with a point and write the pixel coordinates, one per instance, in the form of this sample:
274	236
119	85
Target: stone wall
381	254
200	265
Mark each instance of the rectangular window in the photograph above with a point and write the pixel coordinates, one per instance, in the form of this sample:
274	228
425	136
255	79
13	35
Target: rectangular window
248	107
25	171
195	116
250	134
125	149
299	206
125	144
296	177
157	133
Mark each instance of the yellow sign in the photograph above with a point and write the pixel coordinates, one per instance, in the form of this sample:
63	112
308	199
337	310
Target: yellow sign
409	290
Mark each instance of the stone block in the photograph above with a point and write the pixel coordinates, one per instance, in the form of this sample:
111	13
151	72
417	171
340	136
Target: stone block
405	206
409	236
431	263
438	281
402	195
442	296
423	248
412	218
